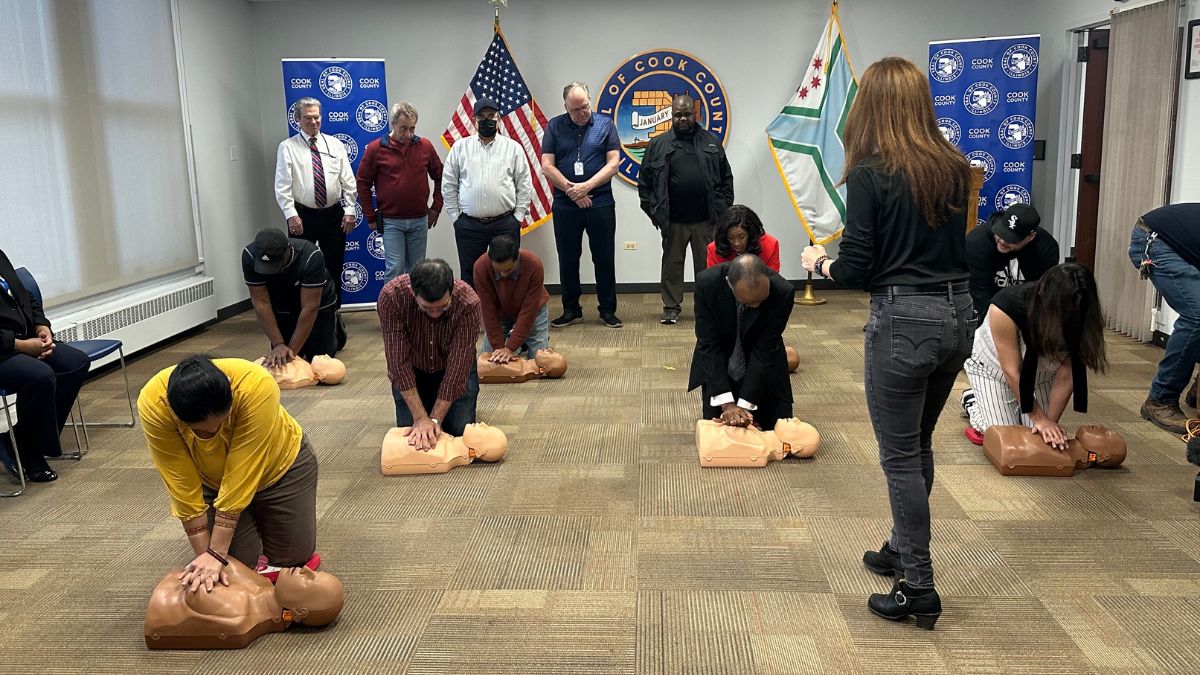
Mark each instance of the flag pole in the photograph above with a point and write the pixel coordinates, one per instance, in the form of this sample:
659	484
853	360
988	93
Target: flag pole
496	6
810	299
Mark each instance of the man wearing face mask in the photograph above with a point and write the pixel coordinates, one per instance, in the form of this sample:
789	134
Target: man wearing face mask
399	167
430	323
580	155
685	184
486	187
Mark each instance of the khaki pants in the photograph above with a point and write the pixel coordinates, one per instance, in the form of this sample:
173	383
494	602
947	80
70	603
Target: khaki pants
675	246
281	520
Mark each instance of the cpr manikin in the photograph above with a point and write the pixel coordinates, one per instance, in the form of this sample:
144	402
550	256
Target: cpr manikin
479	441
545	363
722	445
233	616
300	373
1017	451
793	359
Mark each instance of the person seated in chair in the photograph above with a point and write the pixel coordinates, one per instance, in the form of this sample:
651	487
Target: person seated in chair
293	296
241	474
512	299
45	376
1058	326
739	231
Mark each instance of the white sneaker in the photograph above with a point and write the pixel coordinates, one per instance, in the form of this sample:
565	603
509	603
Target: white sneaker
967	401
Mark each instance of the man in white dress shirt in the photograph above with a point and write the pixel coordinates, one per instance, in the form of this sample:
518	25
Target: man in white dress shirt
315	188
486	188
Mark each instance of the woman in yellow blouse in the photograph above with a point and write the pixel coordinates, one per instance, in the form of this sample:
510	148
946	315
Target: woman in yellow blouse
220	438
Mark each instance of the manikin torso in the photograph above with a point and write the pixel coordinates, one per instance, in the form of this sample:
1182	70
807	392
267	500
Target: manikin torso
546	363
1017	451
479	441
721	445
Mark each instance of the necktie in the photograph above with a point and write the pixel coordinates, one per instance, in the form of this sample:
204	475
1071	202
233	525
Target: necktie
737	360
318	174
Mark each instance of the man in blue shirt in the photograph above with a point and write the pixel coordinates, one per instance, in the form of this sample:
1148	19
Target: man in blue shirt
580	154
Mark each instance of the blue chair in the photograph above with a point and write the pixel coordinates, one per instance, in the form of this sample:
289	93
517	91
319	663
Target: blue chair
6	426
95	350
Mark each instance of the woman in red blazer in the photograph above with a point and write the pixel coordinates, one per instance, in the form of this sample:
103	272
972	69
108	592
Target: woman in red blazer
739	231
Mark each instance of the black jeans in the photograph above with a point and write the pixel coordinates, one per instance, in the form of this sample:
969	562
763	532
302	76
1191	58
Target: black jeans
323	227
473	237
462	410
916	343
600	224
322	339
46	390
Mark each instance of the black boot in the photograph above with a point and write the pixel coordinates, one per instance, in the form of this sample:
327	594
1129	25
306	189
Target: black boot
885	561
923	604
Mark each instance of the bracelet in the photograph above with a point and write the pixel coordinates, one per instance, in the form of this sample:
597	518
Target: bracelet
217	556
193	531
226	520
818	268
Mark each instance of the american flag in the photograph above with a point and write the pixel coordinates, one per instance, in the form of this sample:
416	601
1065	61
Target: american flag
521	119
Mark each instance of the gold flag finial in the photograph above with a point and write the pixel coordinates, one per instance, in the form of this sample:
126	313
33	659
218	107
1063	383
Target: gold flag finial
496	5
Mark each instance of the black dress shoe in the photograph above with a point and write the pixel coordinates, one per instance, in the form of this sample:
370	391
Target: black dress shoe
885	561
901	602
43	476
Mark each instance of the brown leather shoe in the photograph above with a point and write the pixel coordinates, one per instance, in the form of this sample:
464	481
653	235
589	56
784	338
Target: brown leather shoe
1167	416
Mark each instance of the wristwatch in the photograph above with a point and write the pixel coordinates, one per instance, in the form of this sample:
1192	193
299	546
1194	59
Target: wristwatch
436	421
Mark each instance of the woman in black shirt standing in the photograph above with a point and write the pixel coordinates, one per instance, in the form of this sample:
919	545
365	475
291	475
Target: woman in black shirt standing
906	196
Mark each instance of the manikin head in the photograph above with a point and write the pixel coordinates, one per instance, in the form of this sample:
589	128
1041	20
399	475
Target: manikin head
328	369
489	443
1106	444
313	598
748	278
552	362
800	438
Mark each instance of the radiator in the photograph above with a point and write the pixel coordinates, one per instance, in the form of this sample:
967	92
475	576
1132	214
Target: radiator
141	318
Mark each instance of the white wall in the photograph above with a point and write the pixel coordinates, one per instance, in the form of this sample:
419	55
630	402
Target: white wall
757	49
223	104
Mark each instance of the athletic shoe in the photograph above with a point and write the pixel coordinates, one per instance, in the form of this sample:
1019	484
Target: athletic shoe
967	401
611	320
973	435
566	319
669	317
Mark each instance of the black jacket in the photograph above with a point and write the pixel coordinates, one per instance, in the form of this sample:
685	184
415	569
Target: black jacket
762	338
654	178
19	315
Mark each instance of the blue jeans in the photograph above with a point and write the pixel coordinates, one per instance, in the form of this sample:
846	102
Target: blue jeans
403	244
462	410
538	338
915	346
1179	282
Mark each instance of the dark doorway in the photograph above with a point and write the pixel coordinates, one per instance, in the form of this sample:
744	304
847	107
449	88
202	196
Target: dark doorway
1091	147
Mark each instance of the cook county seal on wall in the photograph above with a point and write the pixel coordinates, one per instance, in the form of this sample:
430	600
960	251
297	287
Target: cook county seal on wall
637	96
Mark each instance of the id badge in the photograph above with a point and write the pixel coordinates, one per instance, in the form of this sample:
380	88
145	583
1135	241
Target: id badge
578	168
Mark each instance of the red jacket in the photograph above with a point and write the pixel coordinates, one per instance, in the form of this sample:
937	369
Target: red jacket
769	254
400	173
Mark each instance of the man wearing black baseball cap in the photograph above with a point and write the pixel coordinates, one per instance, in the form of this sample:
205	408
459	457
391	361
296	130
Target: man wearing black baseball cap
1008	235
486	187
293	296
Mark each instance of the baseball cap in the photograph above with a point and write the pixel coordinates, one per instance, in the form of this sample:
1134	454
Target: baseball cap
1014	223
269	249
486	103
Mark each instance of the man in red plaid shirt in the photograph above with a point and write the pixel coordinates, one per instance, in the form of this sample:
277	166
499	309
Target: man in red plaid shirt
430	322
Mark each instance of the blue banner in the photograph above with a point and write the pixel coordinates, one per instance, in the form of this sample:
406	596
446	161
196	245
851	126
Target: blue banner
985	94
353	98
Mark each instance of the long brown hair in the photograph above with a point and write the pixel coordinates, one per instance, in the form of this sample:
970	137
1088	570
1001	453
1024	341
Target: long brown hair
893	117
1065	316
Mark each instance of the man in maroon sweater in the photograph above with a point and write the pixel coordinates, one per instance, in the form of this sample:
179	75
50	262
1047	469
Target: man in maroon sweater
399	166
512	299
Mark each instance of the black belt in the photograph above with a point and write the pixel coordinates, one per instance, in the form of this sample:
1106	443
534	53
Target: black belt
490	219
949	288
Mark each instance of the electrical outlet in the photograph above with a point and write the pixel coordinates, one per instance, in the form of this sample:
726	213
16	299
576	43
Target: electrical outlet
631	246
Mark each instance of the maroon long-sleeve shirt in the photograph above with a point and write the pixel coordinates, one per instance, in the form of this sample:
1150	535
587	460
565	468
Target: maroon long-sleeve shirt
400	174
517	297
413	339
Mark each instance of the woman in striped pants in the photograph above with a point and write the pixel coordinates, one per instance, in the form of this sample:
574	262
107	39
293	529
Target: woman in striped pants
1032	353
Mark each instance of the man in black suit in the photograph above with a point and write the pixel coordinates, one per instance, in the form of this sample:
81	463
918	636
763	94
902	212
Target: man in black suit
742	309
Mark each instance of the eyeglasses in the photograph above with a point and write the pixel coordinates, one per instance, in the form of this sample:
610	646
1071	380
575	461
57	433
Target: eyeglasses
583	108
